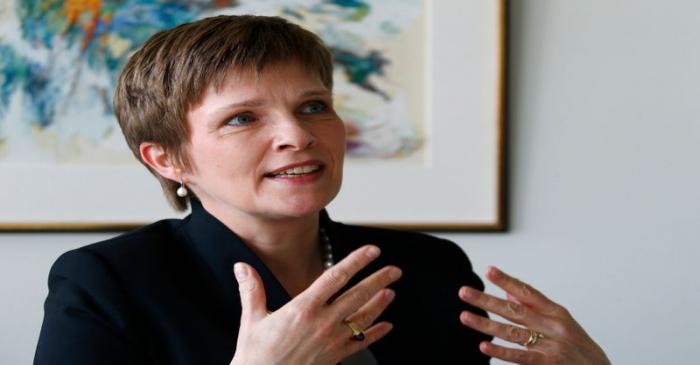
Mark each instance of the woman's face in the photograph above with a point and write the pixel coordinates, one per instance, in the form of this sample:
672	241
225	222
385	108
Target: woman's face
266	146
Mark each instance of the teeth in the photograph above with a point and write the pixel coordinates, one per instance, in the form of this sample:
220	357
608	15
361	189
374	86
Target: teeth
298	170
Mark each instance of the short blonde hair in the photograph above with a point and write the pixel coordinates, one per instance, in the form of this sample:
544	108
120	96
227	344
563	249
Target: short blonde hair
171	71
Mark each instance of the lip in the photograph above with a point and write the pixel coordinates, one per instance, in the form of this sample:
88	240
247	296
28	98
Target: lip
296	164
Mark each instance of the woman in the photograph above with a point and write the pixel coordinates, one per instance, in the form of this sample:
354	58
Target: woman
234	116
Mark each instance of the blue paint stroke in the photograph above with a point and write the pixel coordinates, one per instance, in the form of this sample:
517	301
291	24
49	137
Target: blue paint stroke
358	69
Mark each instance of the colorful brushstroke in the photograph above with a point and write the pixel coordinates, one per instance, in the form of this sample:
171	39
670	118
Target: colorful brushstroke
59	64
104	33
359	69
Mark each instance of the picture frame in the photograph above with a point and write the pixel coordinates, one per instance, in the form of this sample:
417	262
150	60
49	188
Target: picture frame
457	185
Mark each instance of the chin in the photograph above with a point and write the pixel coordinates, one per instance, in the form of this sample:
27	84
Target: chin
300	206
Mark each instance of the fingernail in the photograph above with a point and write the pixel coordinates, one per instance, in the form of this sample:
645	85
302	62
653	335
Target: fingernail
395	273
240	271
372	252
467	292
389	294
484	347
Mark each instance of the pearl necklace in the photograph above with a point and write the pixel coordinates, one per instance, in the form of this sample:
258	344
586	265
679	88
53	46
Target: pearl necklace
328	260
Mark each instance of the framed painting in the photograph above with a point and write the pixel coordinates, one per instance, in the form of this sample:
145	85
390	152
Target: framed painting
420	85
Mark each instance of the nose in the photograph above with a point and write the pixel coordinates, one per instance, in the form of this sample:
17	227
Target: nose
293	134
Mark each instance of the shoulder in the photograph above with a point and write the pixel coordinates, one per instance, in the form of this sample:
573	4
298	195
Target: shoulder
133	248
100	275
142	239
403	243
96	294
424	259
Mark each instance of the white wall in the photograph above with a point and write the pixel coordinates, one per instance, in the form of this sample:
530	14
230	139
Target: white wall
605	118
605	139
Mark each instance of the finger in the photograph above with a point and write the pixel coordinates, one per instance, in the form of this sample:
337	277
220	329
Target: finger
512	298
368	313
252	292
335	278
504	331
522	292
512	311
372	335
363	292
517	356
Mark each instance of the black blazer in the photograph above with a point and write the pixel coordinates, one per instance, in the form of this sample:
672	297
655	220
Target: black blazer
166	294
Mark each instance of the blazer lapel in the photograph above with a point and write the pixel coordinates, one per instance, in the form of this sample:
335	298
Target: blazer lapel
220	248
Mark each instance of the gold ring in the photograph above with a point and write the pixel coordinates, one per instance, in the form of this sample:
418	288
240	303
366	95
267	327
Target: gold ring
534	337
357	333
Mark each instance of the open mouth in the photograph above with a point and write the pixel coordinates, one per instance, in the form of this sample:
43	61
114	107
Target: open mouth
296	171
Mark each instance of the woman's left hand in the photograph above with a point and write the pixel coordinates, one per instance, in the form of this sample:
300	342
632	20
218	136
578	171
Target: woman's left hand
549	333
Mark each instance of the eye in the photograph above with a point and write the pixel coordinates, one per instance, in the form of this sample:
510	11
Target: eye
241	119
314	107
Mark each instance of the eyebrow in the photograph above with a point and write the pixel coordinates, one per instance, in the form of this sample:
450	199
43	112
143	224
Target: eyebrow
243	104
319	92
252	103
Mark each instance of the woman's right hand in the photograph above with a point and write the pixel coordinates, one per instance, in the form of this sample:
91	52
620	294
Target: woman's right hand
309	329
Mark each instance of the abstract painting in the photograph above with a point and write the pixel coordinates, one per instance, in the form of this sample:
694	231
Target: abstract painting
418	83
59	61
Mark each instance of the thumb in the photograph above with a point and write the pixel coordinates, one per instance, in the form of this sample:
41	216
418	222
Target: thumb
252	291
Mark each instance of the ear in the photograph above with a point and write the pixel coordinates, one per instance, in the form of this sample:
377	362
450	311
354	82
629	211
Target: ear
155	156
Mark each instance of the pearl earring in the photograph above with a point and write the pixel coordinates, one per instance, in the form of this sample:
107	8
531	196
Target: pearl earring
182	190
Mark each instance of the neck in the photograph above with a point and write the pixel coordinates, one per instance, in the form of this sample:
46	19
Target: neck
289	247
